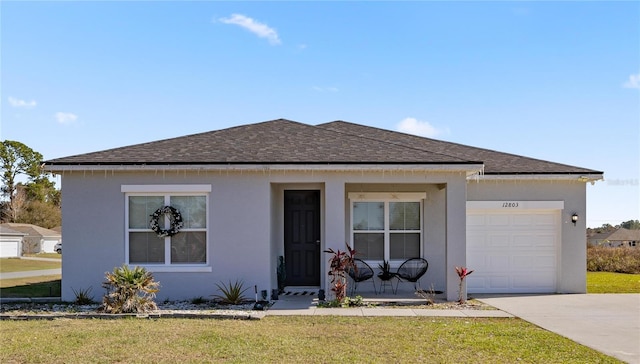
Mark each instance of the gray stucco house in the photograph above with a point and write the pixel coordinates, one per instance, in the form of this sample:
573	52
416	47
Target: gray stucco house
252	193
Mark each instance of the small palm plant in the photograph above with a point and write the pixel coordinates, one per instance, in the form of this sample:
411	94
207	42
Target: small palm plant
129	290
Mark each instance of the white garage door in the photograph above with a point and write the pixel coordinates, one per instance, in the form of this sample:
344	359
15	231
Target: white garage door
9	249
48	246
512	251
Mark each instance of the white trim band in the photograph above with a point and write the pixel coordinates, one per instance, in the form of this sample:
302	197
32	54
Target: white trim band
509	205
387	196
165	188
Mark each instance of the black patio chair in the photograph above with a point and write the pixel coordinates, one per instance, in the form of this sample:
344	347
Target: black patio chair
411	270
360	272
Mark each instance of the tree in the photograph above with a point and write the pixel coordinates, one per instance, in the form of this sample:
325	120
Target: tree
18	160
41	214
631	225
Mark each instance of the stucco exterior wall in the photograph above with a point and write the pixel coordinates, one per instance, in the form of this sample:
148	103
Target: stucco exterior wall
246	218
245	223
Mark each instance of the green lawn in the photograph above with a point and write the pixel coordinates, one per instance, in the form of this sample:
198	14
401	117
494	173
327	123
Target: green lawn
296	338
19	265
606	282
291	339
45	255
42	286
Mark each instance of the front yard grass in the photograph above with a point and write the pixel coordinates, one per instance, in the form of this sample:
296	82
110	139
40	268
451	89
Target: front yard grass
607	282
41	286
289	339
44	255
20	265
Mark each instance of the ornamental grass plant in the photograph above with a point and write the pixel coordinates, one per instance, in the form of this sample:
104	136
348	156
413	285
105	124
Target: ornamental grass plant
232	293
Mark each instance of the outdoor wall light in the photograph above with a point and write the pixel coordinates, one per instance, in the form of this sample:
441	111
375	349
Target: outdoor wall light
574	218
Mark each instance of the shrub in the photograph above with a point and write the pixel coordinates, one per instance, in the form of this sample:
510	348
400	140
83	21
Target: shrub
617	260
232	293
345	302
129	291
198	300
339	263
83	296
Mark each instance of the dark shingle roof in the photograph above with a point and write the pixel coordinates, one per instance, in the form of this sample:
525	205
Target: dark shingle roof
495	162
288	142
272	142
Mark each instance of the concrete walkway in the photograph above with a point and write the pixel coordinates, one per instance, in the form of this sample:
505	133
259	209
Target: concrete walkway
608	323
33	273
30	273
307	306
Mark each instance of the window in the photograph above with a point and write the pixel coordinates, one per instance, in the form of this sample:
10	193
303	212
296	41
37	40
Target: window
386	226
187	248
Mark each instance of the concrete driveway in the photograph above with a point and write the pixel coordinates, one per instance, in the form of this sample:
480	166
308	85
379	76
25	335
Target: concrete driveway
609	323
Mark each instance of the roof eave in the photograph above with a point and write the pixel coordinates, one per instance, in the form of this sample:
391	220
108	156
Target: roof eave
470	168
591	176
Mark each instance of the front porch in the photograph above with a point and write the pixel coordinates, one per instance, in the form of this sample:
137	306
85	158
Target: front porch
430	214
310	296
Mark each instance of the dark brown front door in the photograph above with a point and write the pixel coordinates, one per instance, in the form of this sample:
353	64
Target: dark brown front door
302	237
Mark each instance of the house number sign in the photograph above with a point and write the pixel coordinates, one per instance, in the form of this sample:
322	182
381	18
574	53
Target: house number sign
511	205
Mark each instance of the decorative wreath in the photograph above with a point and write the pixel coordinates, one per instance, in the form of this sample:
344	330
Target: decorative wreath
175	221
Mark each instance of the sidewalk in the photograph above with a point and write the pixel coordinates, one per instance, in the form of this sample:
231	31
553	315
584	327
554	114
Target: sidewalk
307	306
31	273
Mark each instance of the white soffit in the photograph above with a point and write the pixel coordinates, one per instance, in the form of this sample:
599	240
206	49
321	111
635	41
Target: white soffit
469	169
533	177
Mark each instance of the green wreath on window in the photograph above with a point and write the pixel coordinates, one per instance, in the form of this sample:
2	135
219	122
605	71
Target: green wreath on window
175	219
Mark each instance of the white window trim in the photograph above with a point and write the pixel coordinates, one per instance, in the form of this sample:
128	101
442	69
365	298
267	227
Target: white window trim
167	191
386	198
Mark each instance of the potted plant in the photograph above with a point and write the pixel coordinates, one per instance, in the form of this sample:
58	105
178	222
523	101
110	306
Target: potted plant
385	271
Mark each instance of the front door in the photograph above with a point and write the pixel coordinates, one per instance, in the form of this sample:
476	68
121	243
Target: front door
302	237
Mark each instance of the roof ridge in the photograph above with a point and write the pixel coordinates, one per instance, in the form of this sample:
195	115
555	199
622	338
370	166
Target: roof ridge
458	144
392	143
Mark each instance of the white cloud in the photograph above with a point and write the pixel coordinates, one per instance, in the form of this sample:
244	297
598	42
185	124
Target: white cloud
255	27
421	128
21	103
66	118
633	81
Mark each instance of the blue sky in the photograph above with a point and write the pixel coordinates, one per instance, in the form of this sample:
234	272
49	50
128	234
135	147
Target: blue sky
558	81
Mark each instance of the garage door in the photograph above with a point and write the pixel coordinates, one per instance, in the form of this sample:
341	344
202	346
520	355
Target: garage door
513	251
48	246
9	249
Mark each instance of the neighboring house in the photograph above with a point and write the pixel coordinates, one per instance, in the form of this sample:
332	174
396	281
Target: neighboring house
617	238
37	239
252	193
10	242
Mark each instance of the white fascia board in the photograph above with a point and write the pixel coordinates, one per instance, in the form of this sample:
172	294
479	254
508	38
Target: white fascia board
469	169
532	177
